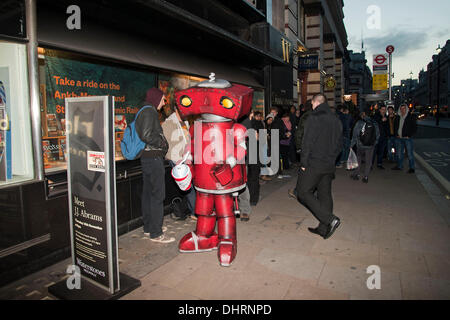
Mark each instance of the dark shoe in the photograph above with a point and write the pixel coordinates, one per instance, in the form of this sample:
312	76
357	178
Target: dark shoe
397	168
315	231
291	193
332	228
381	167
245	217
412	171
355	177
365	180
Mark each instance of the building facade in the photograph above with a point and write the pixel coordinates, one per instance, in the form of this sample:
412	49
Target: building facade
46	57
359	77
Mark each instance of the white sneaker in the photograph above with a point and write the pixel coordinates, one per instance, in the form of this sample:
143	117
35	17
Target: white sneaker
162	239
147	234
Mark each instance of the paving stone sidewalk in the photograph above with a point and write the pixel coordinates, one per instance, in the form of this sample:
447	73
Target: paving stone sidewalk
392	222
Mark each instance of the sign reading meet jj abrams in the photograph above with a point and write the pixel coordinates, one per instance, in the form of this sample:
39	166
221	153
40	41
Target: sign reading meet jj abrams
91	178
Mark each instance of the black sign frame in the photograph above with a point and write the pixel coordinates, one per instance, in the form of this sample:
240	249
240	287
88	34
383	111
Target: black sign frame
80	138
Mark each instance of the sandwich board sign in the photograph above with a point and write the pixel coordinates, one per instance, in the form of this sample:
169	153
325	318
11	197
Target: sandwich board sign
91	178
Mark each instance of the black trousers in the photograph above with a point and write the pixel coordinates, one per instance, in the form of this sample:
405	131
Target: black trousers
253	173
153	194
321	206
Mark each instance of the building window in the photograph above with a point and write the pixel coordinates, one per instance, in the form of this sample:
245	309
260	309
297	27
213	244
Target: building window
16	160
63	74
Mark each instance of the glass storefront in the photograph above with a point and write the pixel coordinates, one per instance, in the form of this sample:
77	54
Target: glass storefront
16	156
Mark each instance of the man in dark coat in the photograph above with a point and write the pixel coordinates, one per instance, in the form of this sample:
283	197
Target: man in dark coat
405	127
383	125
152	161
322	143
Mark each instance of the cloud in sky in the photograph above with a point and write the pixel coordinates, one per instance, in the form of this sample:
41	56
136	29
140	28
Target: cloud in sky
404	41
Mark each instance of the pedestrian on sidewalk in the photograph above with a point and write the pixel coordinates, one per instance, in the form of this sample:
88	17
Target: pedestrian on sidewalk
392	154
285	142
177	135
307	110
405	129
383	125
365	136
149	131
322	143
347	123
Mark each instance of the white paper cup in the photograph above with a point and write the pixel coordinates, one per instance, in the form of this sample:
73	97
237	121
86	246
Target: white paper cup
183	176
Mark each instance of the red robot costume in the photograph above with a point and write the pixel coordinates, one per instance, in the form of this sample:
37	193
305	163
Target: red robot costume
217	162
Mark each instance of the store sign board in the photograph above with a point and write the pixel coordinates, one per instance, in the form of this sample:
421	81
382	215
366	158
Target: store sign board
92	194
309	62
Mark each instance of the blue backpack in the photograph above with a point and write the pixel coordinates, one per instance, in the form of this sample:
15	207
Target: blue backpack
131	144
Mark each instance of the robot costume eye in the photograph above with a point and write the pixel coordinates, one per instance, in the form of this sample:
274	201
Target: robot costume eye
185	101
226	102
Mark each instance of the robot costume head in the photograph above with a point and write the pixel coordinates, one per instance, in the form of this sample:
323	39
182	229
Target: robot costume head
215	99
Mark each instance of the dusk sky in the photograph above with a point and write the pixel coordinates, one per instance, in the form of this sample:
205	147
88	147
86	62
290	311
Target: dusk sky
413	27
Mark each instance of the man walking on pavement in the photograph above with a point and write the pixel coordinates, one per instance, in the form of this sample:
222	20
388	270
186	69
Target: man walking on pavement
405	128
322	143
365	135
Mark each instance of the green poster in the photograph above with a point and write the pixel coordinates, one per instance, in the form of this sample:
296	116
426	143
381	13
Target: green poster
67	77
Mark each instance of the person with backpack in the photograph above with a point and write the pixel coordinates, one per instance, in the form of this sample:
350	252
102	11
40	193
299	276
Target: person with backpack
150	132
365	136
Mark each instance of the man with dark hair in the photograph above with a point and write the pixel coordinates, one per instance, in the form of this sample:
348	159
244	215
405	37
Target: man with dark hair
405	129
392	155
322	143
152	161
365	136
347	123
383	125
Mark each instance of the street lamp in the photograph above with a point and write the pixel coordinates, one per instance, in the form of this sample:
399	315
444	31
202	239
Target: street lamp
438	50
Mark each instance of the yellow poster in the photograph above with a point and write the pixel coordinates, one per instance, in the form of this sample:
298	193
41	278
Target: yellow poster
380	82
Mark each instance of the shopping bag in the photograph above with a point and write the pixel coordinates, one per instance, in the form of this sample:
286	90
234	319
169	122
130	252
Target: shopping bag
352	162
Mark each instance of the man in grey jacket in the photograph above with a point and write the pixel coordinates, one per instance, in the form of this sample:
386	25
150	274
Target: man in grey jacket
365	149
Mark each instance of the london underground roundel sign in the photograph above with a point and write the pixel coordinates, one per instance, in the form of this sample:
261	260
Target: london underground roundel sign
380	59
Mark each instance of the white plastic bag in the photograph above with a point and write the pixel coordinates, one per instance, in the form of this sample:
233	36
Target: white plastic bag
352	162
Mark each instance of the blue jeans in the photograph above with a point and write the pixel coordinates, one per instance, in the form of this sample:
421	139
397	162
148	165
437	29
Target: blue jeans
391	143
401	144
345	150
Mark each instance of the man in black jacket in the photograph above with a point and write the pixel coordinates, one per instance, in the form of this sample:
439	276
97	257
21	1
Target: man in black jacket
152	161
322	143
383	125
405	127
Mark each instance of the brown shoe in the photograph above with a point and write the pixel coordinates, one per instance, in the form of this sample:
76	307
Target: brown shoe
266	178
245	217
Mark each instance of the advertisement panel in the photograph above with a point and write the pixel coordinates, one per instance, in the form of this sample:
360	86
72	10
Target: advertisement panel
92	194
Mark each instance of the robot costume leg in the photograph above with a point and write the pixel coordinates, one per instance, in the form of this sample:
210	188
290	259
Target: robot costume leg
204	238
226	229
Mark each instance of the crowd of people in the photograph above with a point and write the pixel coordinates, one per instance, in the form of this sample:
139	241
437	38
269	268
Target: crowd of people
314	138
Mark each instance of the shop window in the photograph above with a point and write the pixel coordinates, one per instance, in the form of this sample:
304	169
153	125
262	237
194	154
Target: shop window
16	156
63	74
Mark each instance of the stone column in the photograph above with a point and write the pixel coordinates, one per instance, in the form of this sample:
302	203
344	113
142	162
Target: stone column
314	42
329	59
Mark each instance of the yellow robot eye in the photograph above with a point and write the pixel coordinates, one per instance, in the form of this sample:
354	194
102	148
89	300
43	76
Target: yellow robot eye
227	103
185	101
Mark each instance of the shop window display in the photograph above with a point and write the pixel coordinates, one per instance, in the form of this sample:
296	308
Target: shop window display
16	161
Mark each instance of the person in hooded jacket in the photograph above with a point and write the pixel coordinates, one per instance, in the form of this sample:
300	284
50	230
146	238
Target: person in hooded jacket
363	151
405	127
149	131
